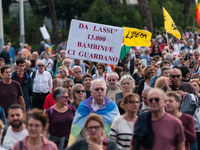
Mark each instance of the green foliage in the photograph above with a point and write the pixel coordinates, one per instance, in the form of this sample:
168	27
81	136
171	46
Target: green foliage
122	15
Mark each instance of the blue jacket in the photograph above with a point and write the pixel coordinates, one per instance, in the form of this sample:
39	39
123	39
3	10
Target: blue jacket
27	89
12	53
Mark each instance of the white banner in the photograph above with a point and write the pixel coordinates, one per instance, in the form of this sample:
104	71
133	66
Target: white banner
94	42
44	32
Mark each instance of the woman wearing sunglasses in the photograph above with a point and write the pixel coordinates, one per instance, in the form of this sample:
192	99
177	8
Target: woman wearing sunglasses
60	116
100	72
155	51
78	94
138	75
63	73
122	127
96	139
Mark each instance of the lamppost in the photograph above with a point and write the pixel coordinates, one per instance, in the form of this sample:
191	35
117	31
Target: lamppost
21	15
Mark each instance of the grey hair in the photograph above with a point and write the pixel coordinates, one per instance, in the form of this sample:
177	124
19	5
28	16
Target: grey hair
143	61
58	92
95	81
168	57
116	75
65	60
67	80
28	61
75	68
193	62
75	87
196	51
128	77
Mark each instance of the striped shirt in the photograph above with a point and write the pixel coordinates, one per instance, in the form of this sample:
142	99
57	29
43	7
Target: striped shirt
121	131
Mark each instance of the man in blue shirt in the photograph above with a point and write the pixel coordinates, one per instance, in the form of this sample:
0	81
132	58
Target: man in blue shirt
146	56
11	53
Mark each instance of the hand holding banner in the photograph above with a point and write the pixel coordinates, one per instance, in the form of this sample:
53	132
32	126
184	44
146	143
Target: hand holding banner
170	26
136	37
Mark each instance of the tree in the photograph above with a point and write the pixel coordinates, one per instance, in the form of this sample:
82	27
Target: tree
145	12
52	14
186	12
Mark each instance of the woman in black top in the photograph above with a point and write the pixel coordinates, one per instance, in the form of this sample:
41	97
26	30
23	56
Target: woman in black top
138	75
155	51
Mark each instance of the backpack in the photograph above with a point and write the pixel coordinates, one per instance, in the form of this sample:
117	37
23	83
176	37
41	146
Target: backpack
189	104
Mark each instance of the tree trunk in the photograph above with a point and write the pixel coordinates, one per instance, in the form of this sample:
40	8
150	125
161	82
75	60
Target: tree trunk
186	12
145	12
52	13
34	7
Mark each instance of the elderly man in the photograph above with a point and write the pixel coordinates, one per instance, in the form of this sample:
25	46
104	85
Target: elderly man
77	74
146	56
67	63
157	130
145	103
173	103
97	103
113	88
77	62
49	101
62	55
169	57
5	55
175	83
42	85
27	68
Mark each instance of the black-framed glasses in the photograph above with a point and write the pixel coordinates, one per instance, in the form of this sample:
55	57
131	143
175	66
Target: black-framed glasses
60	72
174	76
65	97
79	91
101	89
40	65
156	99
134	102
138	64
93	127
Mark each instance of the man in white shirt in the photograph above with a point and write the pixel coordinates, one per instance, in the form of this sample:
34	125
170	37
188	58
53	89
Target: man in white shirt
42	85
113	88
48	62
17	130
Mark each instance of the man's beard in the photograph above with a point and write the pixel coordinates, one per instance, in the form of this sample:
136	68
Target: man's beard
20	122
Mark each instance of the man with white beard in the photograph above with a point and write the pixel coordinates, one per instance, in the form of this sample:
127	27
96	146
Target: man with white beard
67	63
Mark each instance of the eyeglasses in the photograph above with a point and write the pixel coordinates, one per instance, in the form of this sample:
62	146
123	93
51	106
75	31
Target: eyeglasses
60	72
32	125
174	76
93	127
101	89
66	97
79	91
138	64
156	99
99	67
40	65
134	102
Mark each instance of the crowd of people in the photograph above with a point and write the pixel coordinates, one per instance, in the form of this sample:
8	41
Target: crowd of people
150	100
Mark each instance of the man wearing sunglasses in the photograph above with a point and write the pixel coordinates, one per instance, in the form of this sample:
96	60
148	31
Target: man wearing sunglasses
175	84
96	103
166	131
42	85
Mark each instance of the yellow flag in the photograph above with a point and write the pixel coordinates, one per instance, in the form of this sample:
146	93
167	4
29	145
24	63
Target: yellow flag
136	37
170	26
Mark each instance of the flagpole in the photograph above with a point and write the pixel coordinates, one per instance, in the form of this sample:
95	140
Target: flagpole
167	42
